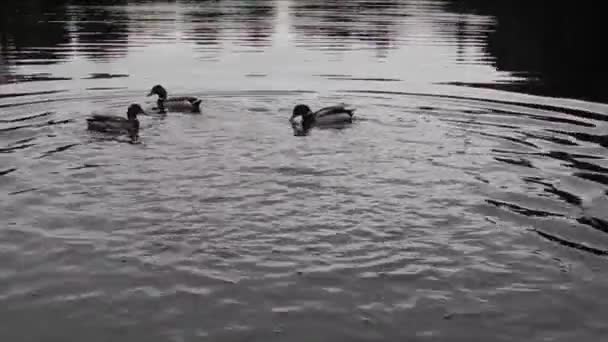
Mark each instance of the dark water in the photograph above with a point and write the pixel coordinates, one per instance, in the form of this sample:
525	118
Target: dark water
468	202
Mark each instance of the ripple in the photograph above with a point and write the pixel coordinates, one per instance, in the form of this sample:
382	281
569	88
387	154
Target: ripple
102	76
7	171
25	118
44	124
58	150
38	77
571	244
47	92
444	202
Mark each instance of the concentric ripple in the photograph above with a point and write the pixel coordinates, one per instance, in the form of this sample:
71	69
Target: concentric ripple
443	212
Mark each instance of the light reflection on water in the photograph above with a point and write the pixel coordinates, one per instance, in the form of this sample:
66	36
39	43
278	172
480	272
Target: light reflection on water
448	210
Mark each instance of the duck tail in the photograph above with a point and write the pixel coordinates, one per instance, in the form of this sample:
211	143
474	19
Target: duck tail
196	105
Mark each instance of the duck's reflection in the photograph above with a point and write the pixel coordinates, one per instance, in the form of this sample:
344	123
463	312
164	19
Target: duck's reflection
299	130
303	119
131	137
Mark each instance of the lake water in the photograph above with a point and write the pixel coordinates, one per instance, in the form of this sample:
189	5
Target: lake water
466	202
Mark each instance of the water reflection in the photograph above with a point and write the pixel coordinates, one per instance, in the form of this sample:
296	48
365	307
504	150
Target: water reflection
554	47
258	20
560	48
33	32
246	24
343	234
101	33
375	23
204	27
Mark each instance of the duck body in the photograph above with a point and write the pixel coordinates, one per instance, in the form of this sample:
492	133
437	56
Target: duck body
110	123
179	104
116	124
327	116
333	115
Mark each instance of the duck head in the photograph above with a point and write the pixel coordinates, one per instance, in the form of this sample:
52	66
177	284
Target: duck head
134	110
160	91
300	110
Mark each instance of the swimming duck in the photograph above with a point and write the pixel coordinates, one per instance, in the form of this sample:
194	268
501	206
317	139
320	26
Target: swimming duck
332	115
182	103
117	124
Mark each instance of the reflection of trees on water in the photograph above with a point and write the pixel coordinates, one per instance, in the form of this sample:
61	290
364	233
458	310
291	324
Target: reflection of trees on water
555	44
47	31
101	32
32	30
152	22
257	16
203	18
246	23
42	31
347	22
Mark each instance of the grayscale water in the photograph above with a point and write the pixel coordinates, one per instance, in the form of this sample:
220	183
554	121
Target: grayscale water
467	202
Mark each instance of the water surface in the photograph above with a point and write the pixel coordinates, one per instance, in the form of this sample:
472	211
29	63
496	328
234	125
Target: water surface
466	202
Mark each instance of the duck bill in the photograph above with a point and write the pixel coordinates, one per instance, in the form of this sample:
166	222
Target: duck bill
296	120
150	94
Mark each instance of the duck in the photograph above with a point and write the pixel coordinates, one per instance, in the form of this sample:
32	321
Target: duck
332	115
180	104
116	124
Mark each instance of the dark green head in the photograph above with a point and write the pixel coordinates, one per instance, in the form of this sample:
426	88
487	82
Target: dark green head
134	110
300	110
160	91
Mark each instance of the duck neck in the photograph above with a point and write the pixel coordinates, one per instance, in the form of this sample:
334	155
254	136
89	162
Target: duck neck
161	102
307	120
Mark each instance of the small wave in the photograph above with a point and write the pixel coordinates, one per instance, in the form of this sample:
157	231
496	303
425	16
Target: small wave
552	139
479	123
98	76
332	75
601	140
39	77
368	79
571	244
15	148
561	155
504	137
517	162
521	210
7	171
550	188
24	62
595	223
25	118
105	88
22	191
571	111
546	118
35	93
87	166
58	149
594	177
44	124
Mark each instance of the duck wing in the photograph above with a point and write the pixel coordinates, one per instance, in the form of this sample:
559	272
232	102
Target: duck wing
183	103
106	118
334	110
190	99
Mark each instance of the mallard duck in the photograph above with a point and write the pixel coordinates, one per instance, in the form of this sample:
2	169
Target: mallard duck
117	124
180	104
333	115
